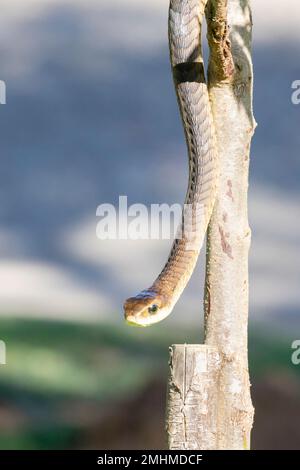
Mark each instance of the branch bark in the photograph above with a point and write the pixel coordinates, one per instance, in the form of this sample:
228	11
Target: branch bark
191	420
228	240
221	64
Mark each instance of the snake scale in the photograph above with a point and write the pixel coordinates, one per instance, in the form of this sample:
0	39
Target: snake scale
156	303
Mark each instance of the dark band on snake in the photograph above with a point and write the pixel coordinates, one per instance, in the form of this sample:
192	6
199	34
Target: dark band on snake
189	72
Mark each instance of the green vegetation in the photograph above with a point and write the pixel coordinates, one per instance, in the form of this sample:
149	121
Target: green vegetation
52	366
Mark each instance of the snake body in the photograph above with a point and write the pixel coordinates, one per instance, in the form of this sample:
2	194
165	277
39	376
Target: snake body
155	303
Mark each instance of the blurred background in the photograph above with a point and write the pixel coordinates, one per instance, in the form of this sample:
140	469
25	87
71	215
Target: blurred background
90	115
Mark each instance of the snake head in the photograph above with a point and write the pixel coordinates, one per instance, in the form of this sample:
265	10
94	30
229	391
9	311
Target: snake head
145	309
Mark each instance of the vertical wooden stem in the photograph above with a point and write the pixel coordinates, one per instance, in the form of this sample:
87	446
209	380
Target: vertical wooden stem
209	402
226	289
191	420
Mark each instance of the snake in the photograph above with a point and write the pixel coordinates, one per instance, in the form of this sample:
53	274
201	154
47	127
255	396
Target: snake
155	303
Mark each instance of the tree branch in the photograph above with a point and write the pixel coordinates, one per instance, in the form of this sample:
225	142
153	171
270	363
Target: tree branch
228	241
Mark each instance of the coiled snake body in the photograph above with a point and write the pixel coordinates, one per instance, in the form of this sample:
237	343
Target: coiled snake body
155	303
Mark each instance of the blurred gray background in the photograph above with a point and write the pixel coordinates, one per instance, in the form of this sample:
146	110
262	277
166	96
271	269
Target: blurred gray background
91	114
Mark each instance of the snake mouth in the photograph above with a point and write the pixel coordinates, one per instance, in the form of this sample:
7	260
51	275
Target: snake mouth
132	321
146	319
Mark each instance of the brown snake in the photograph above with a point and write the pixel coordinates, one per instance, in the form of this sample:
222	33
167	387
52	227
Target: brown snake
155	303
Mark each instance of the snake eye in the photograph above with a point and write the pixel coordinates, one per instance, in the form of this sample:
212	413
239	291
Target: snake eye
153	308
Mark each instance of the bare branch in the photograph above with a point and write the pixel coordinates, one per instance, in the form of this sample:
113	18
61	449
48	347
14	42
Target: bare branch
229	235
